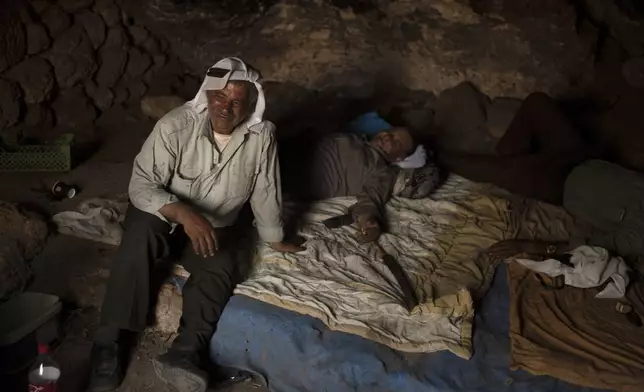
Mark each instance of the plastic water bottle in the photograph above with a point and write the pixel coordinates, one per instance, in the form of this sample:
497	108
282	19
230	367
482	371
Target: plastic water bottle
45	372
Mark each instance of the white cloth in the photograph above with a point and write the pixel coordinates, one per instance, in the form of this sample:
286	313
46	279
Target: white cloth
592	266
238	70
415	160
96	219
221	140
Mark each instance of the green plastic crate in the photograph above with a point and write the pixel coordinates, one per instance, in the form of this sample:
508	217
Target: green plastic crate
50	157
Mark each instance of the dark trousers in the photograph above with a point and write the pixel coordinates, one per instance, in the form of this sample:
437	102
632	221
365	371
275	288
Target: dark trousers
539	149
147	242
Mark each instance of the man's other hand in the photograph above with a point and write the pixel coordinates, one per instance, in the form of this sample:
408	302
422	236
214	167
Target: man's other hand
369	228
286	247
197	228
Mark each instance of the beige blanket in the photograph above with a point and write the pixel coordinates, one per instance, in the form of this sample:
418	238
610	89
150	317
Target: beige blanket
437	241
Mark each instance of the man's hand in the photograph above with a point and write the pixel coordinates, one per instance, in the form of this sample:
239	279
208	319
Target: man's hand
286	247
369	228
196	226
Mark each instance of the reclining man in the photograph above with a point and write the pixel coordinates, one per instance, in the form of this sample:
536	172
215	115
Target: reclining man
543	156
348	165
196	170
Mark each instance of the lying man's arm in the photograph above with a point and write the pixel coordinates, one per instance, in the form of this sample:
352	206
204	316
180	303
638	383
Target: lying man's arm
368	212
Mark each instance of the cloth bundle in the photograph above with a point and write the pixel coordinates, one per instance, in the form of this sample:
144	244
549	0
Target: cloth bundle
591	267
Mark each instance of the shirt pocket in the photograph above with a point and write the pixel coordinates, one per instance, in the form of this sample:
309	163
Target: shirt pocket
242	181
182	187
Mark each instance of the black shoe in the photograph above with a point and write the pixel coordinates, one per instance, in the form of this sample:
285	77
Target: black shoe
106	374
179	369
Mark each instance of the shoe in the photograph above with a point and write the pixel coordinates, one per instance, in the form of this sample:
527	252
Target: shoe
106	374
179	369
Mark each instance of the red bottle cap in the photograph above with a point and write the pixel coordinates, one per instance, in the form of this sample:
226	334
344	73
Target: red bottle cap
43	349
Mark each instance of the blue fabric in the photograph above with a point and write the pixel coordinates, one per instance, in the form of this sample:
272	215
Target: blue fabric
299	353
369	124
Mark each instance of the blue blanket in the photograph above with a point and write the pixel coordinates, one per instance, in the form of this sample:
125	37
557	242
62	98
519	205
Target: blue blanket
299	353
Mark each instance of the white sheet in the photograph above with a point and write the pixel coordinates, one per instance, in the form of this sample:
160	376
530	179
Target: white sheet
438	242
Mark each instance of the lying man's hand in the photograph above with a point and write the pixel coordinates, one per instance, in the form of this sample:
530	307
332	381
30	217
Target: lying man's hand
369	228
197	228
286	247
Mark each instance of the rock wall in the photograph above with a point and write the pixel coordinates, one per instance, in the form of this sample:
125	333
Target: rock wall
505	47
62	63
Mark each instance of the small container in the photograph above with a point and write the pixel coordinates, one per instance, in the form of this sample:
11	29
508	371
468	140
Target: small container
44	374
60	190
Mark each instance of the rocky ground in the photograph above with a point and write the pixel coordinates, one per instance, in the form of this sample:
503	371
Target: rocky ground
82	66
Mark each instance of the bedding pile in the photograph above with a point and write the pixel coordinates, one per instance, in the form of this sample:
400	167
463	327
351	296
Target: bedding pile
438	241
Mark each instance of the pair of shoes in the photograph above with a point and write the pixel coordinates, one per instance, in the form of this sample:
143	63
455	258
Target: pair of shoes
106	373
178	368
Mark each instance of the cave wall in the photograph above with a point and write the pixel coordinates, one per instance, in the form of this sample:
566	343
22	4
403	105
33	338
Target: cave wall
506	48
63	63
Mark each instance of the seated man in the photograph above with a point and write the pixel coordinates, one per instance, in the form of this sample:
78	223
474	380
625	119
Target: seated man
348	165
196	170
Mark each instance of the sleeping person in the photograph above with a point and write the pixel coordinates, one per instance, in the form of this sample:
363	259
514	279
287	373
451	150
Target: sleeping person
346	164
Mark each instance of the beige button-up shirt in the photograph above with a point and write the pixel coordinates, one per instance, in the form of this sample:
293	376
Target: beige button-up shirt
179	162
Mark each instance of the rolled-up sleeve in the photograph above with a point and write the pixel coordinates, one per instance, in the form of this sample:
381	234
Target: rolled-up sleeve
266	200
152	171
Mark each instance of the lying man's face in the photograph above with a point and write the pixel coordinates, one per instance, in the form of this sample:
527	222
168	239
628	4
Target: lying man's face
396	143
227	108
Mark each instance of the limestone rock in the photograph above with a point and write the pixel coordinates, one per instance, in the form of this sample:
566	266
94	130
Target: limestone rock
38	122
138	63
461	119
72	6
102	96
94	27
40	5
10	98
170	304
633	71
108	11
157	106
56	20
72	56
139	34
116	36
35	77
168	309
73	109
22	236
121	94
112	61
624	21
136	89
37	38
151	45
13	44
39	116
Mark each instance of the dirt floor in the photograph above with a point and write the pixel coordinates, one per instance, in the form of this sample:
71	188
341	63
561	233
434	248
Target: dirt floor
77	269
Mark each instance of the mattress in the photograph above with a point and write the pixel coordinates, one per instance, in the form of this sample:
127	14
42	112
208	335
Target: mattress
297	353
